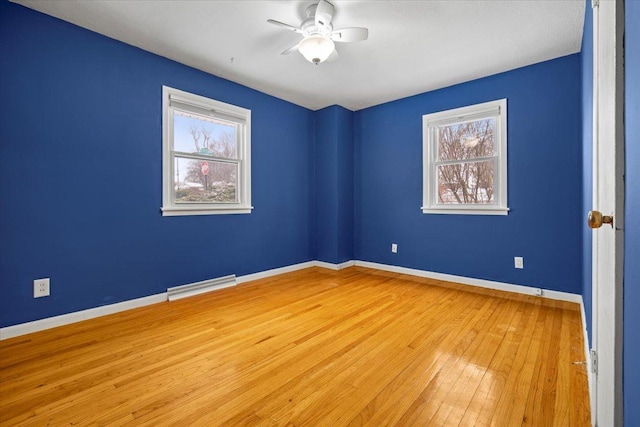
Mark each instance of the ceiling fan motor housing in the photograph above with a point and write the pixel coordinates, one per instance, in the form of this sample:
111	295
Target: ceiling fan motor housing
310	28
318	35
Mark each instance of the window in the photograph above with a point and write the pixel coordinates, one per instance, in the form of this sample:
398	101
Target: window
206	156
465	160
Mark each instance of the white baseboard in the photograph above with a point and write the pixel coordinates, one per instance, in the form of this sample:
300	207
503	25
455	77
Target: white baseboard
65	319
274	272
508	287
78	316
330	266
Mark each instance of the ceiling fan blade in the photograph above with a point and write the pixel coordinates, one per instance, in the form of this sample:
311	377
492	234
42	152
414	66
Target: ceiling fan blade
283	25
291	49
324	13
334	55
353	34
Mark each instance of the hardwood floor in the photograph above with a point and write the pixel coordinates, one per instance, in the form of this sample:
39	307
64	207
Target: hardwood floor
314	347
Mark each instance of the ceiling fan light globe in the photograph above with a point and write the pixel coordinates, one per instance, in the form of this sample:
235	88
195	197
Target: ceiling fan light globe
316	48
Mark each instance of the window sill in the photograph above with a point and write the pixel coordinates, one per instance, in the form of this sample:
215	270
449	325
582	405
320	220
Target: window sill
465	211
184	211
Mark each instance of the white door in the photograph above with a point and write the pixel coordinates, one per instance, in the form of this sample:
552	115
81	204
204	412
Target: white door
608	199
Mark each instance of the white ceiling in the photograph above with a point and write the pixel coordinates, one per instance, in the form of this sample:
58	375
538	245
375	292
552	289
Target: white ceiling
413	46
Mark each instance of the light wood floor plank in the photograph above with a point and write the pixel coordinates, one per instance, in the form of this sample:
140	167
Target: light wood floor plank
437	390
314	347
490	388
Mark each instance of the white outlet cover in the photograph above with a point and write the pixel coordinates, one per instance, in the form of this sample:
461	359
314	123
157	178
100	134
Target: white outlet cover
394	248
518	262
41	288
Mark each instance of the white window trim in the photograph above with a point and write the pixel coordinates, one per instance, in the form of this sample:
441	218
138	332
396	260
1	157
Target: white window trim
429	121
169	208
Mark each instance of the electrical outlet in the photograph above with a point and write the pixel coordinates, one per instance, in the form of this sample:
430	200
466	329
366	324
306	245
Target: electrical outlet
518	262
394	248
41	288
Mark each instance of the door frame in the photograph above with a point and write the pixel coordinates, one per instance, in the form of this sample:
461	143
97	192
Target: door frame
608	195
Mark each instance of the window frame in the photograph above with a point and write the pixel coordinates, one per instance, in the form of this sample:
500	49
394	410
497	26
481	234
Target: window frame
200	105
493	109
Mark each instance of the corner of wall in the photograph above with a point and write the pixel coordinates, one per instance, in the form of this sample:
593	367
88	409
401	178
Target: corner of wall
333	184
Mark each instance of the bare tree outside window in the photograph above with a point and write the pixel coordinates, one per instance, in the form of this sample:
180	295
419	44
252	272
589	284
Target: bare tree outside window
465	162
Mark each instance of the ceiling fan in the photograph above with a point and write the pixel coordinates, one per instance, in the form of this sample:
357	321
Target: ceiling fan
318	34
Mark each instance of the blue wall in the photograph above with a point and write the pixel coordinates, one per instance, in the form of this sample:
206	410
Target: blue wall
334	184
586	56
631	370
80	174
545	183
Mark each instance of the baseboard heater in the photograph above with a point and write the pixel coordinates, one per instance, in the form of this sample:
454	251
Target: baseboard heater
184	291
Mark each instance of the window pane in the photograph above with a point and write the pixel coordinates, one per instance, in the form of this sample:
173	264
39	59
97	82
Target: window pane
204	135
466	183
202	181
469	140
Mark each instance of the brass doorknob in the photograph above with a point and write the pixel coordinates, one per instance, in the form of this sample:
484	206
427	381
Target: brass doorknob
596	219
